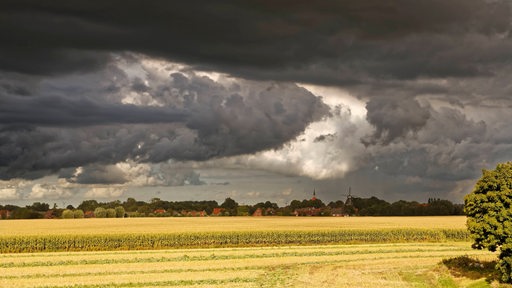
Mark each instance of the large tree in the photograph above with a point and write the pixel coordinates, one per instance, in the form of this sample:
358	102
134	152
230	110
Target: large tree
489	211
231	206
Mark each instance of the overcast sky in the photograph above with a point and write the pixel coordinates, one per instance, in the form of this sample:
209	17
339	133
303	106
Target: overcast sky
255	100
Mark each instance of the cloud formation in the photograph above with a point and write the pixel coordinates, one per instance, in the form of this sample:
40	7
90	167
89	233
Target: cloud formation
104	192
185	117
119	93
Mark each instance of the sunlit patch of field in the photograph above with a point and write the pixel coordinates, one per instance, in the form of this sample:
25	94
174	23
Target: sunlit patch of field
368	265
220	224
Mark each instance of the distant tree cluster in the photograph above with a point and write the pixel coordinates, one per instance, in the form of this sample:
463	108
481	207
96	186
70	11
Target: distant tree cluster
157	207
376	207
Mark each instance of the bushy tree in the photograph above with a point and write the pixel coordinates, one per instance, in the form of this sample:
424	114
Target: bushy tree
40	207
230	206
100	212
489	211
120	212
111	213
67	214
25	213
88	205
78	214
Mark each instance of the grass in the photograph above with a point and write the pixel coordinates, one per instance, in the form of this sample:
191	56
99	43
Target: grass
364	265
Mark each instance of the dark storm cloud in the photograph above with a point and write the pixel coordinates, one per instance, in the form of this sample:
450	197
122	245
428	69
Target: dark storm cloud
434	74
63	111
328	41
394	118
98	174
69	124
449	147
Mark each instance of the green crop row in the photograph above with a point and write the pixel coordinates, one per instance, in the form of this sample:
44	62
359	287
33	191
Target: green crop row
101	242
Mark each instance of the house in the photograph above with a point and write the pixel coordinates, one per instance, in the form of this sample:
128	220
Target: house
159	211
264	212
218	211
337	212
50	214
258	212
89	214
308	211
5	214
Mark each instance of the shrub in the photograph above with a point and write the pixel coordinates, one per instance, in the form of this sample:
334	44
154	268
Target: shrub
67	214
120	212
78	214
111	213
100	212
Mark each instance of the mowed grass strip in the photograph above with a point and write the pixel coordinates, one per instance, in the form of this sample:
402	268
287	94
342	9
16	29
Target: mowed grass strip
43	243
139	279
54	261
231	267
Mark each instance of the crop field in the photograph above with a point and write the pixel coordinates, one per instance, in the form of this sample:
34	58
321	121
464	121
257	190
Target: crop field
221	224
238	252
358	265
168	233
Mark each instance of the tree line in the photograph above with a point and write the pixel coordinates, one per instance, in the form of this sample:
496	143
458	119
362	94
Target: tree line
156	207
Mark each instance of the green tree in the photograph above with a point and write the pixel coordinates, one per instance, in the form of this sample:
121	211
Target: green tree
111	213
25	213
120	212
130	205
88	205
40	207
243	210
78	214
489	211
100	212
231	206
67	214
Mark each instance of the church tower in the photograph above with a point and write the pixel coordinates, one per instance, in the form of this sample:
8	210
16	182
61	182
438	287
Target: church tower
314	195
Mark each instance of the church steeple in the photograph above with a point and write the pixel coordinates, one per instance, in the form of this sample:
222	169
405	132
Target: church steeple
314	195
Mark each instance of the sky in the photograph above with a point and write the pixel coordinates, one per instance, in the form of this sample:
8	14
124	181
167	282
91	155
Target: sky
254	100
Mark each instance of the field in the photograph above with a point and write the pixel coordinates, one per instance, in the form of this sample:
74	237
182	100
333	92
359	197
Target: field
365	263
221	224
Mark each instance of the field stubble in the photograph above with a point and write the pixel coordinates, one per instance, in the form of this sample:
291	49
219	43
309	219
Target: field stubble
358	265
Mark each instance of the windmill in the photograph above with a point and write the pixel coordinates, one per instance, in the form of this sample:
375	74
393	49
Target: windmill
349	201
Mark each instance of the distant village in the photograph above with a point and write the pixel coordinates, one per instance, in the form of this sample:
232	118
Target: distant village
156	207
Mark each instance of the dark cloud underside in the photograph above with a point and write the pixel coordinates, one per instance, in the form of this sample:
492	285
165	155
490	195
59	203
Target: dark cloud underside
193	118
94	83
286	40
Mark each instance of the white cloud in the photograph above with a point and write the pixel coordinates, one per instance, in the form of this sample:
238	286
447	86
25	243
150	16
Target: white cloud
49	191
9	194
160	174
333	96
253	194
105	192
327	149
287	192
11	189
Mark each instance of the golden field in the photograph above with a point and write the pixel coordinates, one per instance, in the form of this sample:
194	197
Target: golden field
221	224
413	260
365	265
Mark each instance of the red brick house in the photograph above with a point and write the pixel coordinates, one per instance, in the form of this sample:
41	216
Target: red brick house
5	214
217	211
